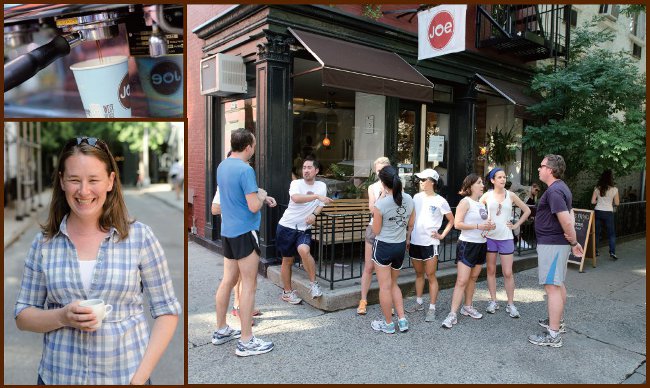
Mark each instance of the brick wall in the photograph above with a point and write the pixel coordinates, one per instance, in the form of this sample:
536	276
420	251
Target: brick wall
196	15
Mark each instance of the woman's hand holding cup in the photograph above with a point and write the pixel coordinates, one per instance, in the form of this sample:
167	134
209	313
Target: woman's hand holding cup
79	317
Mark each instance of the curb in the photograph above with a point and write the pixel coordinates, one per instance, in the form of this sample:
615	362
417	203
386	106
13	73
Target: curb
346	293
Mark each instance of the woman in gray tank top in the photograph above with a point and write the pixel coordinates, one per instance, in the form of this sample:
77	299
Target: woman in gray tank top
392	223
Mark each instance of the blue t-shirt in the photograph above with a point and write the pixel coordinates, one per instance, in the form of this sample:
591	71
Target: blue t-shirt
556	199
235	179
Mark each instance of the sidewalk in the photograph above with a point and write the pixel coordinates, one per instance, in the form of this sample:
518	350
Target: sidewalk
13	228
605	340
164	193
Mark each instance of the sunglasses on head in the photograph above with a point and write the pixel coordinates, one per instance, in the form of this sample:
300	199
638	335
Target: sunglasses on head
91	141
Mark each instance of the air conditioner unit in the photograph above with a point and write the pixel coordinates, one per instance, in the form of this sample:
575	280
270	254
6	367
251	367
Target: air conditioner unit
223	75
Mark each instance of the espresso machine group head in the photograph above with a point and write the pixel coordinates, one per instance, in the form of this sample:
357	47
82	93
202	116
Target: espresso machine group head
76	24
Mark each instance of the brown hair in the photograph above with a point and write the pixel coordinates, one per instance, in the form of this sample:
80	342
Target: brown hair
605	181
114	213
466	187
556	164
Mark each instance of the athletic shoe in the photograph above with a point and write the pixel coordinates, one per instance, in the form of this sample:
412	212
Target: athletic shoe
545	339
512	310
471	312
492	307
403	324
450	320
315	290
253	347
291	297
361	310
613	256
381	325
413	307
222	336
544	323
431	315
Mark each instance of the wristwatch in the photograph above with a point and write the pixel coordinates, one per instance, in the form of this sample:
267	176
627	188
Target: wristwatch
574	244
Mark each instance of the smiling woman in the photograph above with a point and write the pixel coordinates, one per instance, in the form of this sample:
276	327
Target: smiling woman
90	249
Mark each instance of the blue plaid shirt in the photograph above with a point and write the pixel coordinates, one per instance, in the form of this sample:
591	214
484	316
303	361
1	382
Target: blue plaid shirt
124	270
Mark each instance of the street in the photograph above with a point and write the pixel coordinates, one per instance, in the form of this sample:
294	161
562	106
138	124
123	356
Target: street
22	350
605	340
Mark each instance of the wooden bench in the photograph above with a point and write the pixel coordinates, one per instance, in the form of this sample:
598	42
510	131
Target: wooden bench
348	217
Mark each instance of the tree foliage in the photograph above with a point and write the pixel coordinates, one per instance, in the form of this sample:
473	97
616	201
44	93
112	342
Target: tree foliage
593	112
55	134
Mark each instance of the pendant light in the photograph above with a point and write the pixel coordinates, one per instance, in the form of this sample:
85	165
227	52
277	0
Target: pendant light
330	104
326	140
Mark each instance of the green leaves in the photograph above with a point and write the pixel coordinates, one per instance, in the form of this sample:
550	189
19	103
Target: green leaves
593	113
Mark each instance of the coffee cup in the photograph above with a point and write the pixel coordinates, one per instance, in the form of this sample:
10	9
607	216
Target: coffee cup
104	86
162	82
100	309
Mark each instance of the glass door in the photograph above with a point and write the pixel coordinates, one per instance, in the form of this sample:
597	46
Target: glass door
408	134
434	145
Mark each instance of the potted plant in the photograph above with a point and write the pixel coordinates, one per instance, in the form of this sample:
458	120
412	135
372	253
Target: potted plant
502	146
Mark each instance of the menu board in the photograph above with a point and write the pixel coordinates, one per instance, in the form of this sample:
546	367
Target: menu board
585	234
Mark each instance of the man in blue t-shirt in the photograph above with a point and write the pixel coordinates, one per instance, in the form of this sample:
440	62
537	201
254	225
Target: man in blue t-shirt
556	238
241	202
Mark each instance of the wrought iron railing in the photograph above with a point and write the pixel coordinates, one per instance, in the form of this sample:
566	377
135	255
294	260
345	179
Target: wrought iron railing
339	241
531	31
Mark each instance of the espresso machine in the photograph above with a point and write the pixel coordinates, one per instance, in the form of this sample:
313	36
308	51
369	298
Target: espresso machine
43	41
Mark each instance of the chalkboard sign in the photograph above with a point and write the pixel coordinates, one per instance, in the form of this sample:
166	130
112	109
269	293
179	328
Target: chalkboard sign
585	234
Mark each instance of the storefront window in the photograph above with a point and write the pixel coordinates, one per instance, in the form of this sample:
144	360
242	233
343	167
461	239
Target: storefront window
343	129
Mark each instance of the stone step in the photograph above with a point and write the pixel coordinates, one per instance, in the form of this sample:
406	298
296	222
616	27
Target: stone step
346	293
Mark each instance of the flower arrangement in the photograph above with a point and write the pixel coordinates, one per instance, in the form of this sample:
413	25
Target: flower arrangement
502	146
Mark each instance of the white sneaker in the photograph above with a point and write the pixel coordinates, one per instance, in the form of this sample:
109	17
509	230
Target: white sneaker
492	307
291	297
471	311
315	290
253	347
450	320
512	310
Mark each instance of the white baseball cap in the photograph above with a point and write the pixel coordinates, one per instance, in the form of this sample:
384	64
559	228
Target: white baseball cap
428	173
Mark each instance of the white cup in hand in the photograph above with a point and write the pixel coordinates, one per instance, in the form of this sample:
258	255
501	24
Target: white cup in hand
100	309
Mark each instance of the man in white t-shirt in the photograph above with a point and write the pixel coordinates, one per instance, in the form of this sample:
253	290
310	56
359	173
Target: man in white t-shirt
307	198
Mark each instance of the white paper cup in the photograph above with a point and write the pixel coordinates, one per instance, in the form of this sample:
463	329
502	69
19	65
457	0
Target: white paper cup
104	86
162	82
100	309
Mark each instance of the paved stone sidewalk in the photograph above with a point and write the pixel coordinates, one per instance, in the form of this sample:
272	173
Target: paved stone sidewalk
605	343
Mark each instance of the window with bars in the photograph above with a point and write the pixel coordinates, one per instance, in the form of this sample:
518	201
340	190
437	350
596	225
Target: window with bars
571	15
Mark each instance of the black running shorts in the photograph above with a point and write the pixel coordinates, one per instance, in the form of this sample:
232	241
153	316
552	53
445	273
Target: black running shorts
241	246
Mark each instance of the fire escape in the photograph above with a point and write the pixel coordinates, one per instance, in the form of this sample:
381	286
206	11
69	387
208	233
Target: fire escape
529	31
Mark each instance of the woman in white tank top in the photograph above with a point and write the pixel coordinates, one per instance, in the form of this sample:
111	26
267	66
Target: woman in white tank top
471	219
375	191
500	240
605	197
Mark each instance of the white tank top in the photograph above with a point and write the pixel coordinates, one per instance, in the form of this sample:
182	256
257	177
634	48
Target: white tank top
501	232
606	203
376	189
86	268
476	214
